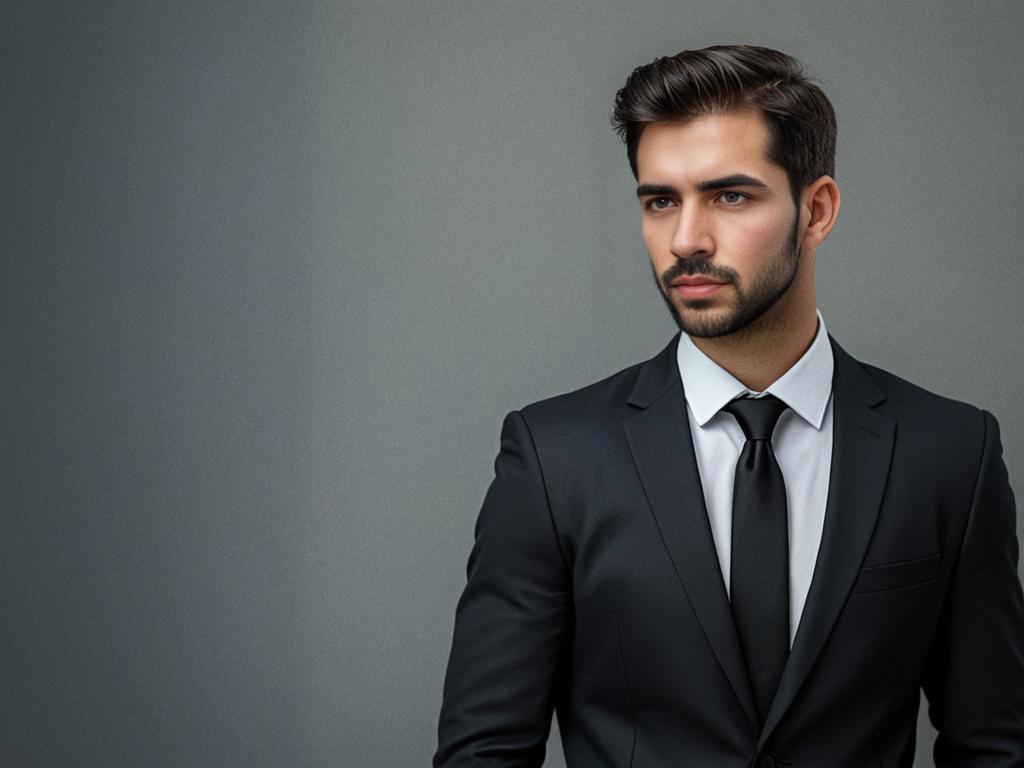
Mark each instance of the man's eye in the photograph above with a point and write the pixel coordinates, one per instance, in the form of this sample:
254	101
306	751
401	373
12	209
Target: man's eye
659	203
733	197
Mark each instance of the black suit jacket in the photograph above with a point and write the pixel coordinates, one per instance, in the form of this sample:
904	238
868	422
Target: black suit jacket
594	589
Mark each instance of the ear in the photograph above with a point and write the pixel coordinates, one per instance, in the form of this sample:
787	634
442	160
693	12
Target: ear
819	208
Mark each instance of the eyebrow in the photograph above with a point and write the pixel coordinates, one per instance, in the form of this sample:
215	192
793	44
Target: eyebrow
735	180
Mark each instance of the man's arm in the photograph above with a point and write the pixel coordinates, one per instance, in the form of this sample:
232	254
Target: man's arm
511	622
974	678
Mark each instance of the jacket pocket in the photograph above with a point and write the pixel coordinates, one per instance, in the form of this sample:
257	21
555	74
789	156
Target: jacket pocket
909	573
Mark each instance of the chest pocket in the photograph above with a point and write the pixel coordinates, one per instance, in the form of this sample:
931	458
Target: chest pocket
909	573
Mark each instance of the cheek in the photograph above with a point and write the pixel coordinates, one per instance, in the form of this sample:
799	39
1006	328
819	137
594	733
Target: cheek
658	240
658	256
755	235
648	231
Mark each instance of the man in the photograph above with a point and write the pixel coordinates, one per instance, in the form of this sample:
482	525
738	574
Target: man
751	549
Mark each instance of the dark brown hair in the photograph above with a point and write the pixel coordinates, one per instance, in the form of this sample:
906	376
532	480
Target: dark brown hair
801	121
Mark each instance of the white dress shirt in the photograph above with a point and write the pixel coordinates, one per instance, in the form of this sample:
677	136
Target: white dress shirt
802	442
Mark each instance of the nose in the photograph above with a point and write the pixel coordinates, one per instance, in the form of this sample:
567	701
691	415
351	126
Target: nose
692	238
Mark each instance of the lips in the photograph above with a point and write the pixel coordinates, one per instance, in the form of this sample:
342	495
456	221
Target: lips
694	281
695	287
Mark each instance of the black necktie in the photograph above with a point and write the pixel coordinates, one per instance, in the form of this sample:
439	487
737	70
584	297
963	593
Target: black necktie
759	576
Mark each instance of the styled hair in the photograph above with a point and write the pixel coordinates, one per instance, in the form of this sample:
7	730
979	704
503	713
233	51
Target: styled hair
801	121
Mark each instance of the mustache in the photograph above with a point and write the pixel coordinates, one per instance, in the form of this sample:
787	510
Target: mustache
691	267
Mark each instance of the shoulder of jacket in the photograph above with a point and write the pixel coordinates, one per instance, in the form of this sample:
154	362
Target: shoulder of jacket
599	401
912	403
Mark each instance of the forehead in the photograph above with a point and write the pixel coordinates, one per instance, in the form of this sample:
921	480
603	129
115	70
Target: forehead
705	147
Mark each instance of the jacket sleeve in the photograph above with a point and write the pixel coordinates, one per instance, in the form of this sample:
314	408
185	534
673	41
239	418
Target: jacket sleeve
511	622
974	677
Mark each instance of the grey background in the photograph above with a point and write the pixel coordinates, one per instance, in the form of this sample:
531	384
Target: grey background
273	274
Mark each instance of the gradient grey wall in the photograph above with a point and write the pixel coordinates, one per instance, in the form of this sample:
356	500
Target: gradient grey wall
273	274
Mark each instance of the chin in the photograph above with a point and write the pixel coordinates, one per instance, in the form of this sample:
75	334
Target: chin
704	325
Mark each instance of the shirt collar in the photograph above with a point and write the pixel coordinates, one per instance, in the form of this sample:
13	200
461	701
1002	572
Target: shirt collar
805	387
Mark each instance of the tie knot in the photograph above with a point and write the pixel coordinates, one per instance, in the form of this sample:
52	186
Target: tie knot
757	416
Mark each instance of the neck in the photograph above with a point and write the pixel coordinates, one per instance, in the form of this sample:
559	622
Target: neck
761	352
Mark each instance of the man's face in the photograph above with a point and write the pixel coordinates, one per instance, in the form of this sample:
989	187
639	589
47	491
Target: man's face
719	220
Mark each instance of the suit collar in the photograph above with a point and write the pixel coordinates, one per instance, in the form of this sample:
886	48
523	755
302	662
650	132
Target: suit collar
656	376
853	377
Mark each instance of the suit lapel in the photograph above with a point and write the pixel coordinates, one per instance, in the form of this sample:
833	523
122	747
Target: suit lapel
862	442
662	447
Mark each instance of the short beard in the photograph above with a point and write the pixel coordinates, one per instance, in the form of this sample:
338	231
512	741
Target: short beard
764	293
